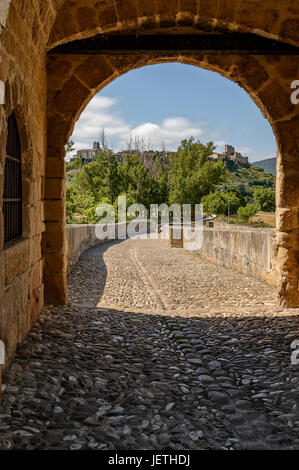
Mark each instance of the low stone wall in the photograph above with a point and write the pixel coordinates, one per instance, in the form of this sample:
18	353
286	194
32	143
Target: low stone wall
251	251
81	237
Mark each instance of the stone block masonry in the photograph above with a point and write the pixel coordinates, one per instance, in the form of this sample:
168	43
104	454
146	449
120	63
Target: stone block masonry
47	93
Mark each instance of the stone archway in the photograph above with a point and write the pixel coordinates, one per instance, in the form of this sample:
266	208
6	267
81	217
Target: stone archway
30	29
79	19
266	79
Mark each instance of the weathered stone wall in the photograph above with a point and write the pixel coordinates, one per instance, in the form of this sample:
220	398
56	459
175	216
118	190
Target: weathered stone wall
248	250
22	70
78	239
47	96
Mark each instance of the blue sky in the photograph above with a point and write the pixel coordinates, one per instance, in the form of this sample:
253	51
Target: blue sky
168	102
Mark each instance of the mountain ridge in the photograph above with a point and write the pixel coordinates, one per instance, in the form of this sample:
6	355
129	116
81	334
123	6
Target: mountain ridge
268	165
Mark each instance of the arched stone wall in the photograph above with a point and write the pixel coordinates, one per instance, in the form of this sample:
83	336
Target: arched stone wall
42	94
22	70
266	79
83	18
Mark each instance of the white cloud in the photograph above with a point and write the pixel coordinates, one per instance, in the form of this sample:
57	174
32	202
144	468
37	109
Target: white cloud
102	113
99	114
171	131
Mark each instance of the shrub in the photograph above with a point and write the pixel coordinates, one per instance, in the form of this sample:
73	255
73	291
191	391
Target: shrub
244	213
217	203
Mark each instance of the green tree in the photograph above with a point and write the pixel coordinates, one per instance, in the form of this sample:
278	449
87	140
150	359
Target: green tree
192	175
69	146
264	198
135	178
214	203
75	164
244	213
218	202
99	179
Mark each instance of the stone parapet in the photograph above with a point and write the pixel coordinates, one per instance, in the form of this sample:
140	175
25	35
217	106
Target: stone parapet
251	251
79	238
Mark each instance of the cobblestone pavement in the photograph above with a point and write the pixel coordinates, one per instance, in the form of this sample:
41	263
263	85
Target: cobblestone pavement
147	275
156	350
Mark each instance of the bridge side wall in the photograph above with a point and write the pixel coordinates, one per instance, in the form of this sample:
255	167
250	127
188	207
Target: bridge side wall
78	239
248	250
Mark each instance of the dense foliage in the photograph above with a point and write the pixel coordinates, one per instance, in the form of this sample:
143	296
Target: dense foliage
218	202
186	177
265	199
104	179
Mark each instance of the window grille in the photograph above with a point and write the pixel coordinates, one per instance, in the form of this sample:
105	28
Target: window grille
12	196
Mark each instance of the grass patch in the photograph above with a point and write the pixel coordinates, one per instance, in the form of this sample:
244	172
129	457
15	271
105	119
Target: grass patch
255	221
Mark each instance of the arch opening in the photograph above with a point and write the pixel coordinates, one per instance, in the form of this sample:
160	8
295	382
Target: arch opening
146	76
90	75
49	93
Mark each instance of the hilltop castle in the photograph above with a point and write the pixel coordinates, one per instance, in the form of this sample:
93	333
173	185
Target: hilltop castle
231	154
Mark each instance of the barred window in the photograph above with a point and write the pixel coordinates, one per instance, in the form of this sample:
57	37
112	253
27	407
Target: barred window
12	196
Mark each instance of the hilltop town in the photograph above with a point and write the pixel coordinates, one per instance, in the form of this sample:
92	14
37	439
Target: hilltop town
148	157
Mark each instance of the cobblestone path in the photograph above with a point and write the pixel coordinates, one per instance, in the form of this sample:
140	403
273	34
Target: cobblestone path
157	349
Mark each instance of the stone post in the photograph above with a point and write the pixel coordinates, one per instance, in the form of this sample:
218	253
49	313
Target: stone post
54	238
288	210
288	228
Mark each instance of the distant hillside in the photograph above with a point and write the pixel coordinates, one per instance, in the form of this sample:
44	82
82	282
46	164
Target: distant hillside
246	179
250	175
268	165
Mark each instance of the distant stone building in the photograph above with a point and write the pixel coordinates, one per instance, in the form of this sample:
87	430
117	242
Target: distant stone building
231	154
147	157
88	154
120	156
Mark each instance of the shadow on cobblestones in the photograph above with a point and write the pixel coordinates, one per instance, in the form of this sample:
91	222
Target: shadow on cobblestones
105	378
